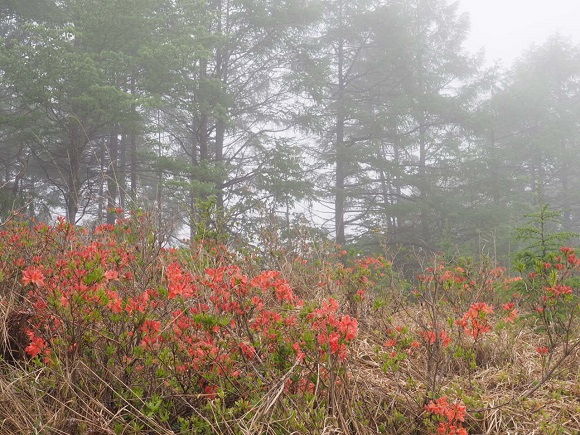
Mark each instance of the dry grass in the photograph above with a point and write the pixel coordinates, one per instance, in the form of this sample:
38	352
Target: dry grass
508	388
502	395
508	392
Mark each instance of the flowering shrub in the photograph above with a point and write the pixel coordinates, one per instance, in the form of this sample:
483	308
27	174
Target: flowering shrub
476	320
333	333
458	287
453	295
548	293
430	338
186	333
358	278
194	338
452	416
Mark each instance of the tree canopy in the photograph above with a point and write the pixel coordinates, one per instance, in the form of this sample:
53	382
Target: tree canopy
368	119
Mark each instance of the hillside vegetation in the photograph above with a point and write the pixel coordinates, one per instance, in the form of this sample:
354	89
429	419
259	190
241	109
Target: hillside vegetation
108	331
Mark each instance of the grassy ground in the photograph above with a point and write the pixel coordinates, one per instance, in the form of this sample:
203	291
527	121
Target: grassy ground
107	333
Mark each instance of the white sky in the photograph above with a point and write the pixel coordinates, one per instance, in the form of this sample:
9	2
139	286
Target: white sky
506	28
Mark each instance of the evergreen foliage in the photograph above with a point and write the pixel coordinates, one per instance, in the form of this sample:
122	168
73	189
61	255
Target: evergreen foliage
541	238
368	119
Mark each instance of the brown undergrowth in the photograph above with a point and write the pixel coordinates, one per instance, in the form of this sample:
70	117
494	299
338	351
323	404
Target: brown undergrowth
125	337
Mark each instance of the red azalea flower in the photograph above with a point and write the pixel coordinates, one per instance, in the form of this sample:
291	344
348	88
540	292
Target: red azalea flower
32	275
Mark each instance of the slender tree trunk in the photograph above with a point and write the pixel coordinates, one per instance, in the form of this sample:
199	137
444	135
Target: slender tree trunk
199	153
396	178
422	174
202	128
565	180
73	179
112	180
17	190
193	161
219	157
220	129
341	163
122	170
388	189
539	177
101	212
495	172
133	152
133	157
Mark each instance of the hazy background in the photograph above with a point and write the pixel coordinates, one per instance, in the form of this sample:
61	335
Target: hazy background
225	121
506	28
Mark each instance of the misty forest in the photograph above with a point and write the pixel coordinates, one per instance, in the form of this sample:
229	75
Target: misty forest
366	120
284	216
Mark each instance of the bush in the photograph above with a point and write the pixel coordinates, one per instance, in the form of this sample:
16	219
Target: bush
109	331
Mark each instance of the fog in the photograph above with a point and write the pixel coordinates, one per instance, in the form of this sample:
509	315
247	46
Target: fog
228	118
506	28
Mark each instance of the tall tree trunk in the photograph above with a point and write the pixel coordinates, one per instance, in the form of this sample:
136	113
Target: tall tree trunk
133	157
112	180
340	151
73	179
389	188
423	182
103	171
193	161
133	153
202	128
222	66
495	168
396	179
539	177
566	204
199	153
220	135
122	170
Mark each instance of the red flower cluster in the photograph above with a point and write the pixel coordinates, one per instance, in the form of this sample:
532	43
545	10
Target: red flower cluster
32	275
512	313
180	283
333	331
430	337
475	322
558	290
571	257
453	416
37	345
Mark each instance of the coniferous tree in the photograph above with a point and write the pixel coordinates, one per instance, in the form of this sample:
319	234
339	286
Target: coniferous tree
60	71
